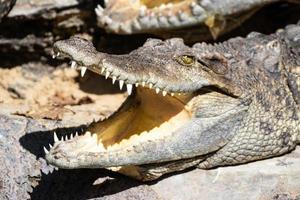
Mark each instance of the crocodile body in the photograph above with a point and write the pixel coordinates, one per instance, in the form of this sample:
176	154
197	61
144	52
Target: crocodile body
193	19
206	105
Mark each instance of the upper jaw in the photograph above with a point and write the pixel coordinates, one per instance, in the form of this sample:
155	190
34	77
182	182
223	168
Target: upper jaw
124	68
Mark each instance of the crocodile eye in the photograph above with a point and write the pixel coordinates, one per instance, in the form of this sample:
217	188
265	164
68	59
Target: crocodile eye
186	60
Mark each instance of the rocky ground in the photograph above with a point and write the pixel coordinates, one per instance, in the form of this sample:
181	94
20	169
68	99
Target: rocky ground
39	95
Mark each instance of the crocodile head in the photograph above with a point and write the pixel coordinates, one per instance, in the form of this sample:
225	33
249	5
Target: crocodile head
184	104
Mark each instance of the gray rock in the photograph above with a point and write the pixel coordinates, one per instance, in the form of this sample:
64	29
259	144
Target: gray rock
268	179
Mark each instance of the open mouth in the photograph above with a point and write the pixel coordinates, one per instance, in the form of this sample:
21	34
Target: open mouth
147	114
144	116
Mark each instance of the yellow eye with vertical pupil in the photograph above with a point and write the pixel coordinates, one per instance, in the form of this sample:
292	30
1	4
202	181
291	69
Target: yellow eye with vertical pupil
187	60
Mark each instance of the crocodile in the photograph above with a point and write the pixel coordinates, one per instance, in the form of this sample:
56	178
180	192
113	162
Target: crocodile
193	19
205	106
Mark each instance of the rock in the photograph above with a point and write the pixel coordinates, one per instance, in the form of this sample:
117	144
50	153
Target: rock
5	7
267	179
46	21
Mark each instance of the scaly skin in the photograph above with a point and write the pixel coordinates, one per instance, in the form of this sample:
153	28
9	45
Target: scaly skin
239	103
202	18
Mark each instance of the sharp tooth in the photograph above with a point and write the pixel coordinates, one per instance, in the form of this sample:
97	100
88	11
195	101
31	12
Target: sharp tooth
50	146
172	94
73	65
99	10
143	83
136	25
55	137
107	74
157	90
83	70
76	134
46	151
150	85
57	54
142	11
102	70
126	28
62	138
121	83
107	19
88	133
114	78
129	89
164	93
71	137
53	56
197	10
136	84
162	6
100	7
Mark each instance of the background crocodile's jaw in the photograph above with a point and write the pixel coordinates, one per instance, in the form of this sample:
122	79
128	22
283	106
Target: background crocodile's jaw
146	16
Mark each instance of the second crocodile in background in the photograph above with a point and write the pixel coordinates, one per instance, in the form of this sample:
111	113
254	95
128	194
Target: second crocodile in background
195	20
206	105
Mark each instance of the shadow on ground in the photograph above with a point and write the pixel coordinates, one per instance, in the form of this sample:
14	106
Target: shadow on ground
71	184
80	184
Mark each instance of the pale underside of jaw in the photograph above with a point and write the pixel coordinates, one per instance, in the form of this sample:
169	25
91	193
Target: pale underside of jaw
108	72
127	16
